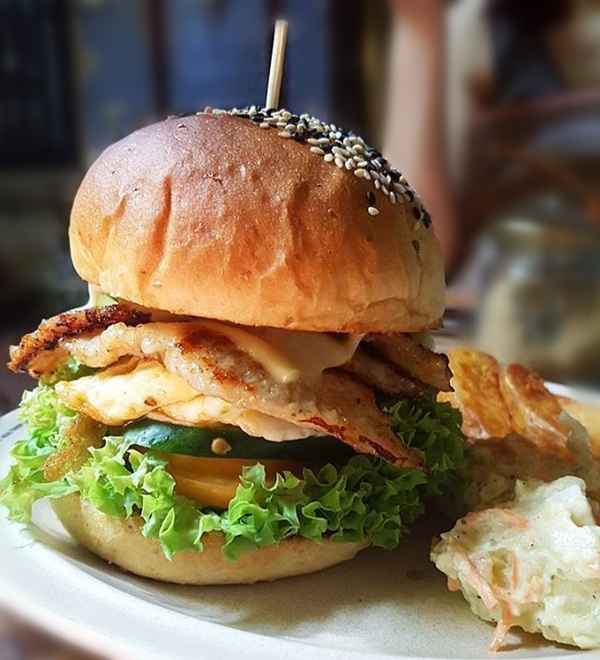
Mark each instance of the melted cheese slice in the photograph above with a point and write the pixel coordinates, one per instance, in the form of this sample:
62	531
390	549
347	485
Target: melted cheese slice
309	352
287	355
132	389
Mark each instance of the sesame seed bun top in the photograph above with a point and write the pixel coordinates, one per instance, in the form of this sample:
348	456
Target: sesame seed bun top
259	219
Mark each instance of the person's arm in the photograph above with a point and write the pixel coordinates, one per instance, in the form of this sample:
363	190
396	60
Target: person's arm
415	127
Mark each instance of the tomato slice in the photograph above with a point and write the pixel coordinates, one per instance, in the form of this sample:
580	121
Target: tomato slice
213	481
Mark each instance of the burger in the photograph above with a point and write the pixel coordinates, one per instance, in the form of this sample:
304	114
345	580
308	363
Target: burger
250	391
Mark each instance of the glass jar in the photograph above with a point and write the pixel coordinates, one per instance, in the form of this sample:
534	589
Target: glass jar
541	301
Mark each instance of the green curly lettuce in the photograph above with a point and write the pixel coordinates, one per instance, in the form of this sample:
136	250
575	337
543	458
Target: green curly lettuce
46	419
366	500
434	429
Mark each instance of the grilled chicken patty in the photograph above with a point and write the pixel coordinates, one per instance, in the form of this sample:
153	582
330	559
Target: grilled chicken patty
30	354
214	366
341	403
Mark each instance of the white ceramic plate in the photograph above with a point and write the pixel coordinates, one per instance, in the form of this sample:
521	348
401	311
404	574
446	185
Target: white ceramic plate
380	605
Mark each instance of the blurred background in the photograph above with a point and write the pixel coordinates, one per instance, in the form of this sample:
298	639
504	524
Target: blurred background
490	107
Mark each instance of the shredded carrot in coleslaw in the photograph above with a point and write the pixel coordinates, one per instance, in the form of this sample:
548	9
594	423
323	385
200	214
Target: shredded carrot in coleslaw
504	625
472	576
515	519
492	597
453	585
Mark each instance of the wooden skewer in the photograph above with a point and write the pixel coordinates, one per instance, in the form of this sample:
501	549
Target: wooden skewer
277	60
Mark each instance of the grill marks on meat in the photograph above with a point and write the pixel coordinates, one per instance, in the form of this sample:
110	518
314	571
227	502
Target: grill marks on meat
342	403
395	364
376	372
66	325
213	366
414	359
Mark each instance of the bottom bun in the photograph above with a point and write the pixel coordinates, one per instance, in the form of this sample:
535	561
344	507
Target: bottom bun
120	542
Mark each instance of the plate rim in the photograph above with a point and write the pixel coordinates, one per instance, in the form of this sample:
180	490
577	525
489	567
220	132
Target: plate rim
96	638
99	635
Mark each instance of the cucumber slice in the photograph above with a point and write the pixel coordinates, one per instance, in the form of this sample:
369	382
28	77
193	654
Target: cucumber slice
192	441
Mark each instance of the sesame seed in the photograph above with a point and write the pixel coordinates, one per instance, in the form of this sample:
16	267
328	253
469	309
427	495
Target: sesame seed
343	148
338	151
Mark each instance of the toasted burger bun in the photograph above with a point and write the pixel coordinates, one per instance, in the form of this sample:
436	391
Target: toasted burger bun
212	216
121	542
